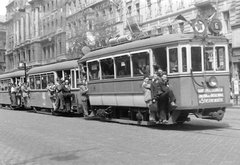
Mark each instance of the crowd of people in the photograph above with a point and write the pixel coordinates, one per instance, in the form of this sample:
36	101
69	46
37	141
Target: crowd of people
18	94
158	96
61	96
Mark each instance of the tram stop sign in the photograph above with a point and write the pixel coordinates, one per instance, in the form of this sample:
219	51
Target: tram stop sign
215	26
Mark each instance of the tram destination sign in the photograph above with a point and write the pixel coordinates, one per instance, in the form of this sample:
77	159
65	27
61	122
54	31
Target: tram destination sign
211	95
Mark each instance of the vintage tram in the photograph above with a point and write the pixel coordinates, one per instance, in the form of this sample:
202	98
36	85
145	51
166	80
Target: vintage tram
39	77
15	77
197	68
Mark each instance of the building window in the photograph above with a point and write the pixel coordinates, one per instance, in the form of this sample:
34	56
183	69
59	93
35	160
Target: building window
169	6
129	10
180	4
226	23
149	12
159	7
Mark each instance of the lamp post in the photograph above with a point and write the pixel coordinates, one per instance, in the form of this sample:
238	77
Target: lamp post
23	65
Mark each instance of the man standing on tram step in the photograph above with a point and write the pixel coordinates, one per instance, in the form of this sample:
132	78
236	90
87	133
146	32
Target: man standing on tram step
165	97
84	97
154	96
146	86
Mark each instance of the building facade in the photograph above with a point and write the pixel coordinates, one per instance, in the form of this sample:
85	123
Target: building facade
48	31
35	32
2	44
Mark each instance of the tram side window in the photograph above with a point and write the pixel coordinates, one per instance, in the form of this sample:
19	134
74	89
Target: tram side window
93	70
184	59
196	58
208	59
107	68
73	79
2	85
32	84
44	81
123	66
220	58
50	77
173	63
37	81
140	63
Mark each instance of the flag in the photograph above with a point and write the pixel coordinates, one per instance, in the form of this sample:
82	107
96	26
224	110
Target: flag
180	17
211	17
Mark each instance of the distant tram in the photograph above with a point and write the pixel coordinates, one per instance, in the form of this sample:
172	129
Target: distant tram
197	68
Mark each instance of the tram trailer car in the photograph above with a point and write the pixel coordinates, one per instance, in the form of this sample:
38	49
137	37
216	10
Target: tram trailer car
5	79
197	68
40	76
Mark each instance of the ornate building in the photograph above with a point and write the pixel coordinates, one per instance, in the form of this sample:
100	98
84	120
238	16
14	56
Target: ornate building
35	32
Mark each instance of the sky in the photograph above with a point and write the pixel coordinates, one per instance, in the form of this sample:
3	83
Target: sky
3	4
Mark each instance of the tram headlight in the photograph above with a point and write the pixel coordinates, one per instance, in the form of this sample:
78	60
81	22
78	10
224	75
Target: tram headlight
212	81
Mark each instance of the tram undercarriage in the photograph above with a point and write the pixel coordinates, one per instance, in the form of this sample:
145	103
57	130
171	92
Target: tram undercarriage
140	116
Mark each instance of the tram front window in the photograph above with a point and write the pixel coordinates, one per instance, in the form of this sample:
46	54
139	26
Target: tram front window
208	59
123	66
220	58
140	63
196	59
173	60
93	68
184	59
107	68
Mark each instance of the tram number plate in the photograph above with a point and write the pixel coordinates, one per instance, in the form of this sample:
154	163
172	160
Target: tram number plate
211	96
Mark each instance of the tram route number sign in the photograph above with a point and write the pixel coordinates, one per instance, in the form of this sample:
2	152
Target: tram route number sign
211	95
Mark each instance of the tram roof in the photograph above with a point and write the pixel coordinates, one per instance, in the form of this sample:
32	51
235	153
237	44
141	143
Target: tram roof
18	73
131	46
54	67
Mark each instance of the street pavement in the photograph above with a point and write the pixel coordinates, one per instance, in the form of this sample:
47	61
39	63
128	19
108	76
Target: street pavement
28	138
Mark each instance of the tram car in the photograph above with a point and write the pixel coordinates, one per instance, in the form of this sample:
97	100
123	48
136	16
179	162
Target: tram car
5	91
39	77
197	69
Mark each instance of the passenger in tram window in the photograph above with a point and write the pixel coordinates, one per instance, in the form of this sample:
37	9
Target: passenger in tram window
173	61
67	95
59	96
147	69
146	86
84	97
52	93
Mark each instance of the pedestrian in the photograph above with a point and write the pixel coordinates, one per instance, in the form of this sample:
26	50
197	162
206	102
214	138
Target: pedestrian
84	97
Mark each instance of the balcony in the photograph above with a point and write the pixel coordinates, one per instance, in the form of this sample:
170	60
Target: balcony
135	20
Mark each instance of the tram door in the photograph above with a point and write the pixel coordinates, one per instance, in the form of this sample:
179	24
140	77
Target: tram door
160	58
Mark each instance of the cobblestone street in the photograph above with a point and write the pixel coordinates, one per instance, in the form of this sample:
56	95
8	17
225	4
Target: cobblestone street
35	139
